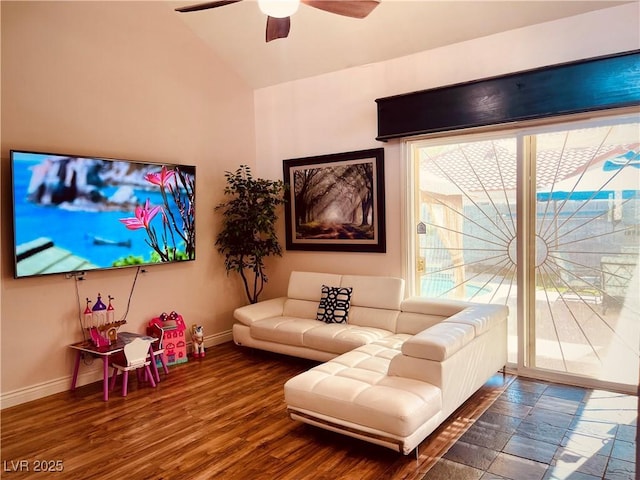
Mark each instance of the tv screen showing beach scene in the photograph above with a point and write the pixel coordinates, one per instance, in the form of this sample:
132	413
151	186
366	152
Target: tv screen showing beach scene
74	213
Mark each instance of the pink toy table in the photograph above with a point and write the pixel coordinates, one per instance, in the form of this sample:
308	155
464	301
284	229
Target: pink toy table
105	352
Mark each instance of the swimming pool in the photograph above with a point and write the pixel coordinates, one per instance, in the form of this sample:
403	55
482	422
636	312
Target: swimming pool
439	285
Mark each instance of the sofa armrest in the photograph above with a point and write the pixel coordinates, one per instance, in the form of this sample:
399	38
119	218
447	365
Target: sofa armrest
433	306
482	317
257	311
442	340
439	342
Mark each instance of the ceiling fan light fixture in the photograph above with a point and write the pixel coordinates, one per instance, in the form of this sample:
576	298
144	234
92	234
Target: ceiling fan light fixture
279	8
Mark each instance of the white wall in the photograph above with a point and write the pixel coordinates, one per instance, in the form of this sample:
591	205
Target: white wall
123	80
336	112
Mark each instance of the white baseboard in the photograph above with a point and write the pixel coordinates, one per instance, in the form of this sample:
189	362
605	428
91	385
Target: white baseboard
87	375
218	338
34	392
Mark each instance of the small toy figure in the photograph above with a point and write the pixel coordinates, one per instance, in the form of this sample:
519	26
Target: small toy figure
197	335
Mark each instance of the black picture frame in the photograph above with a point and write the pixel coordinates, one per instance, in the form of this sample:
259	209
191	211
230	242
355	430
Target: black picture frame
336	202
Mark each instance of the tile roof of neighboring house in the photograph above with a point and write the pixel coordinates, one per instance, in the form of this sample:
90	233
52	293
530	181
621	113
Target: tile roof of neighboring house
489	166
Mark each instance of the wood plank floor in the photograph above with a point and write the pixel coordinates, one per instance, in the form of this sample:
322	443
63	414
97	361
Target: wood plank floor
222	417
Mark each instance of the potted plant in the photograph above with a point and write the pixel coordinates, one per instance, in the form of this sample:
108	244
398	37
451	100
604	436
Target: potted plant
248	234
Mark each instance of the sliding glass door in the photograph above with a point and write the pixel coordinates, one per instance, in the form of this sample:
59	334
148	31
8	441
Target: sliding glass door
587	229
546	221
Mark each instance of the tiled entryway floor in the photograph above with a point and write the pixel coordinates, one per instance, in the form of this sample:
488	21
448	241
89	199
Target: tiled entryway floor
537	430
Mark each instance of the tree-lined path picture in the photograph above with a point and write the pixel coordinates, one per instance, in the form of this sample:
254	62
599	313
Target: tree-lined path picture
336	202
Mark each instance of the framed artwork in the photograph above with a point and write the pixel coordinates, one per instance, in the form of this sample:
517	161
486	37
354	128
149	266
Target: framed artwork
336	202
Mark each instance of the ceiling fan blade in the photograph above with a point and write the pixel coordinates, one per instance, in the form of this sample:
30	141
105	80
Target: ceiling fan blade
278	28
348	8
206	6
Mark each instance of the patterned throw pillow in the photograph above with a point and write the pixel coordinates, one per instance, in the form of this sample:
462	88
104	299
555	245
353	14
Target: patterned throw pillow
334	304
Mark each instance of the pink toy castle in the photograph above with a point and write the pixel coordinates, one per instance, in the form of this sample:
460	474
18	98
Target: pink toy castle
100	322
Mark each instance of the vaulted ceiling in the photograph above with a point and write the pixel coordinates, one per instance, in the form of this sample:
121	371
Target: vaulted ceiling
321	42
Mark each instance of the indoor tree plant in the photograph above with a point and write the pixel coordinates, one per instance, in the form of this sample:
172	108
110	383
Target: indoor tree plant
248	232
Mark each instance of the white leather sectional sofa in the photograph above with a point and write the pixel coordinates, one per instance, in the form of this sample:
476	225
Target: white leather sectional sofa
394	371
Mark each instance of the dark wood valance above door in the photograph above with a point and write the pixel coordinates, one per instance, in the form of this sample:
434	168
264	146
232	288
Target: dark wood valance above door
586	85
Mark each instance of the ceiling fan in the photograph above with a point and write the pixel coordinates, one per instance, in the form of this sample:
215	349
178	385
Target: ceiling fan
279	11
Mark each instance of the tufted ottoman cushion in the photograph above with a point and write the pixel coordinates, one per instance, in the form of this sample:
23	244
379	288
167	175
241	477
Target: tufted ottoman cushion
356	389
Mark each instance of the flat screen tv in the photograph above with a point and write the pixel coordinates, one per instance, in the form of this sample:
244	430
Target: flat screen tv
75	213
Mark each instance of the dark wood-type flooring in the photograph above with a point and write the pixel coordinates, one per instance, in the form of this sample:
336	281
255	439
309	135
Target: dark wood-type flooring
222	417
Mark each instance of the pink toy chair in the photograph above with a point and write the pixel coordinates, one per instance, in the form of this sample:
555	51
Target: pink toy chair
136	355
159	351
